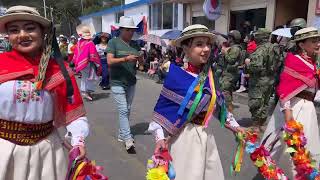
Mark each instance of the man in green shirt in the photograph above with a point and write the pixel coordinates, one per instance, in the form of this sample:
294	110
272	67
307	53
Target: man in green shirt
122	55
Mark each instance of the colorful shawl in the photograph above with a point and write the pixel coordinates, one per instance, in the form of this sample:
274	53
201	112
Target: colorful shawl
15	66
85	53
175	88
298	75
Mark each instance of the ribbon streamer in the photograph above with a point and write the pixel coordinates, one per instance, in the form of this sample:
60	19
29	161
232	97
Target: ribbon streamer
188	96
212	101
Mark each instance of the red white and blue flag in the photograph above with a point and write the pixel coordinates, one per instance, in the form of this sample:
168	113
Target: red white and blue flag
212	9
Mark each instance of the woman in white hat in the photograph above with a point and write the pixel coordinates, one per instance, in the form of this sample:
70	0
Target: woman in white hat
184	114
37	96
296	90
87	61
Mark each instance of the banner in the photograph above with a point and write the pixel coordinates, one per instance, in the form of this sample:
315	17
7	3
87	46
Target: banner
212	9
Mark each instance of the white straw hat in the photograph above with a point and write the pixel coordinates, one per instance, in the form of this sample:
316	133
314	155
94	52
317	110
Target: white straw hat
84	31
306	33
127	22
20	13
196	30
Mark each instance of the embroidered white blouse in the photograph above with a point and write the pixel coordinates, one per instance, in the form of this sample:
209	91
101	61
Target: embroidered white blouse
21	103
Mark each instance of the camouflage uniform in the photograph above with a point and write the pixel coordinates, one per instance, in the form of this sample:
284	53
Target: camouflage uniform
295	24
230	71
263	66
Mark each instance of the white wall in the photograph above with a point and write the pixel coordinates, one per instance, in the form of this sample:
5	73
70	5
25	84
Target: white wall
222	23
107	21
180	16
97	24
137	13
130	1
237	5
313	19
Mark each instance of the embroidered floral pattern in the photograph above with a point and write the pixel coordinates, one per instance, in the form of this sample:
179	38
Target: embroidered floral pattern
25	92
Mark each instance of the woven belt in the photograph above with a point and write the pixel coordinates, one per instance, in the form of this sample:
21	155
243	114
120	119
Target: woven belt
24	134
307	95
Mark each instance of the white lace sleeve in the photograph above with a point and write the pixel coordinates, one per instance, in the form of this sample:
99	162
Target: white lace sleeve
78	130
156	130
286	105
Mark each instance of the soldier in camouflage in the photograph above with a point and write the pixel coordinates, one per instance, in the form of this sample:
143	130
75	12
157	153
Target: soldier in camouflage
230	71
262	65
295	25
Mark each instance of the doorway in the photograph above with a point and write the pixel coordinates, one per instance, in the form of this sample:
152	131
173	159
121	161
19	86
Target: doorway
254	18
286	10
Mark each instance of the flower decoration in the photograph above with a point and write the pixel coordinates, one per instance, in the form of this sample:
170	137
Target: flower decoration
160	167
295	139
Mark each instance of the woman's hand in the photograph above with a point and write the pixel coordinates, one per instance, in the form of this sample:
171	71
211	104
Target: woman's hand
288	114
161	144
83	152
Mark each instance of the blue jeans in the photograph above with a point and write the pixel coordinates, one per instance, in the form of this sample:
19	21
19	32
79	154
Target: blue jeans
124	97
105	74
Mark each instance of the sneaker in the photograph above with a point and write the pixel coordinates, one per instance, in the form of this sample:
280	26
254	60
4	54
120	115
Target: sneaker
241	89
129	144
120	140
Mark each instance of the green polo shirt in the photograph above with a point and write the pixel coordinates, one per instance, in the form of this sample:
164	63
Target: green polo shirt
123	74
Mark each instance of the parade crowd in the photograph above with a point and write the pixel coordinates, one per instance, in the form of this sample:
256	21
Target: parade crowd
39	92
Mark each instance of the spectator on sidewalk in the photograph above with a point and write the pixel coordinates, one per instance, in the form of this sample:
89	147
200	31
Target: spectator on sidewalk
101	42
163	69
122	55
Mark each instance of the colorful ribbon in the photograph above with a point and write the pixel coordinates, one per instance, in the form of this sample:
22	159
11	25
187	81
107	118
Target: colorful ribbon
238	158
187	98
212	101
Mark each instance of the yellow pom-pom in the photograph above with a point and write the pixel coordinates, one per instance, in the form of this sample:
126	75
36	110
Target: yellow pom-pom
157	174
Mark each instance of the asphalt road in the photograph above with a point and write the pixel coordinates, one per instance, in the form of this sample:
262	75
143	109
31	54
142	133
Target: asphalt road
102	144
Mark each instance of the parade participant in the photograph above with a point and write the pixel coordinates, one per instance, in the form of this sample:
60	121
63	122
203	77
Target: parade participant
261	66
192	144
35	100
297	88
101	46
122	55
64	48
230	71
72	47
87	61
295	25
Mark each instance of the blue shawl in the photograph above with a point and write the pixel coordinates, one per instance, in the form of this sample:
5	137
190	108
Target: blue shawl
174	89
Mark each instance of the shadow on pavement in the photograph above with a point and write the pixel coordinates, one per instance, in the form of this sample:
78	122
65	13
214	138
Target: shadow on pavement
245	122
101	96
140	129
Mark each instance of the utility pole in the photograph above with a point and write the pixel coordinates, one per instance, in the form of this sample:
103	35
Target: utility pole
81	1
45	8
51	10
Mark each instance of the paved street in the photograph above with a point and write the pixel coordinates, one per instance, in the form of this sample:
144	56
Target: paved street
119	165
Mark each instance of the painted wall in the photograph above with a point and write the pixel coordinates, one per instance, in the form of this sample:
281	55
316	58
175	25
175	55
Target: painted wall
97	24
313	19
130	1
107	21
237	5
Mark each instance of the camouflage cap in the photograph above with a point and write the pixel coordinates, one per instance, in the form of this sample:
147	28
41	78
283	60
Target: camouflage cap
306	33
298	22
235	34
262	33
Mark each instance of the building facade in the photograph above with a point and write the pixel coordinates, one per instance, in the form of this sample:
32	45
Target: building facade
164	15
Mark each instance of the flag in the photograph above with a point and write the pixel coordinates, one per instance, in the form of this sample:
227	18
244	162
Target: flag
212	9
115	32
142	26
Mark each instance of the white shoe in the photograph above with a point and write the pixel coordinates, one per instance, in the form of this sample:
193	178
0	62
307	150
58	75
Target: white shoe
129	144
241	89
